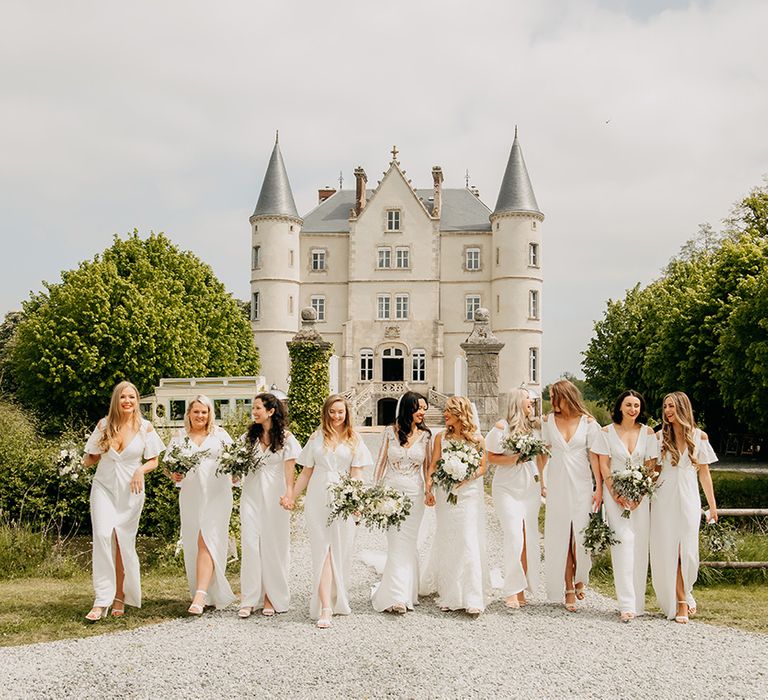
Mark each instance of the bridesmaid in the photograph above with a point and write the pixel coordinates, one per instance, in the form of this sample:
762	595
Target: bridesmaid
333	451
517	499
401	465
627	438
676	512
570	432
126	447
205	502
265	520
458	568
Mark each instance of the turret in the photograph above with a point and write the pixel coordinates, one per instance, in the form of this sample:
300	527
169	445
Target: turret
516	278
275	227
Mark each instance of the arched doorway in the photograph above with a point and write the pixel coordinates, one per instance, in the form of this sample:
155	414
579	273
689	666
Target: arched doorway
392	365
385	411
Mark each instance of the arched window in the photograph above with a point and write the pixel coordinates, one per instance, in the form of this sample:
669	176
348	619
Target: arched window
366	365
419	366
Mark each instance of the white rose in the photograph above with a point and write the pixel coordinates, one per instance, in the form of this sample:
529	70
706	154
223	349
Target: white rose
387	506
455	468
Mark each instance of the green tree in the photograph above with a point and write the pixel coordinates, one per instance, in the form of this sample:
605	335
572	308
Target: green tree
7	332
141	311
309	384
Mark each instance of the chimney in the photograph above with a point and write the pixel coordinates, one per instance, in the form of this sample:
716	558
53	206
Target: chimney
360	180
437	179
325	192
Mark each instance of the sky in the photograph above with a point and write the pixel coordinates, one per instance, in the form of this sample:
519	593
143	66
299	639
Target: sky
639	120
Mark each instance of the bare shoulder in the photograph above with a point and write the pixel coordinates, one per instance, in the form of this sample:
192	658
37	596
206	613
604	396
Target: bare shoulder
650	431
545	418
703	435
499	425
605	428
590	419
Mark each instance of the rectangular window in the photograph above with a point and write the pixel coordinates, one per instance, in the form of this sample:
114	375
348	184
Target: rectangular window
243	406
382	307
393	220
290	304
255	306
178	408
366	365
384	258
290	258
318	260
533	365
419	366
498	255
401	306
256	257
318	304
533	304
533	254
403	258
472	261
471	304
221	408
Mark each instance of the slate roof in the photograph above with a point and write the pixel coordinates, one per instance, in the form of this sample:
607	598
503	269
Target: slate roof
276	197
461	211
516	192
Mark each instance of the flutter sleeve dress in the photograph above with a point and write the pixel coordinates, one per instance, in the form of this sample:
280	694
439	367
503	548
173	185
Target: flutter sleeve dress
115	511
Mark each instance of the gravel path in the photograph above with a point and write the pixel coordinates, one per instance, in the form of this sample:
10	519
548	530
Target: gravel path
540	651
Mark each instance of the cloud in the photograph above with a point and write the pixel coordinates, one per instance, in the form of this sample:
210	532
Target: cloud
638	122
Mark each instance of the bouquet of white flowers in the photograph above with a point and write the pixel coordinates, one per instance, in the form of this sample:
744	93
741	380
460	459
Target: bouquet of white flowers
69	461
346	498
239	458
460	460
719	538
526	445
598	535
384	507
633	483
179	459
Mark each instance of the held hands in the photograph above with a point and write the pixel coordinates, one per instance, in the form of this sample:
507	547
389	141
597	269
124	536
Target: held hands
287	501
137	481
597	501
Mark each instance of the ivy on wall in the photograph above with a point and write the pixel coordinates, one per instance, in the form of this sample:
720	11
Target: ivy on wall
310	381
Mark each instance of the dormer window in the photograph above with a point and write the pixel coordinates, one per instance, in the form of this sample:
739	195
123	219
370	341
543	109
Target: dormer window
393	220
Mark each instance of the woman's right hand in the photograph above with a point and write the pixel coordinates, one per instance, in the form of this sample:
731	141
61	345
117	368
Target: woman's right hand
176	477
429	498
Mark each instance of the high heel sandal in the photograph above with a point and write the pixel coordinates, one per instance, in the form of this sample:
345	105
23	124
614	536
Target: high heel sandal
474	612
197	608
245	611
682	619
512	602
268	612
579	590
399	608
627	616
118	612
97	613
324	623
570	607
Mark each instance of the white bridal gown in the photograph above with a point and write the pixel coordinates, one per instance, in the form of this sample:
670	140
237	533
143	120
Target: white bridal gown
458	565
265	530
629	558
516	498
675	519
402	469
114	509
329	466
205	502
568	478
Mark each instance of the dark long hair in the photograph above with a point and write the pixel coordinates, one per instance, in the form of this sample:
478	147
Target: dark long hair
277	431
409	404
616	413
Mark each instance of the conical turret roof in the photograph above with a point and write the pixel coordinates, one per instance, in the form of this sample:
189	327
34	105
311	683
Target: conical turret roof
516	192
276	197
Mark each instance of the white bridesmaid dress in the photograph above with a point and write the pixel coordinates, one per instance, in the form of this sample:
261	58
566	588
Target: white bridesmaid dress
402	468
629	558
568	479
516	499
265	531
329	466
675	520
114	509
205	503
458	565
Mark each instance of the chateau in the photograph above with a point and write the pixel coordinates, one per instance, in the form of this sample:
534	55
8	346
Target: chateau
395	274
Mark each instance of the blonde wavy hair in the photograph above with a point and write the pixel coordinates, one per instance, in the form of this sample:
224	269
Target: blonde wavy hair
113	420
347	433
468	430
566	393
517	418
202	399
684	418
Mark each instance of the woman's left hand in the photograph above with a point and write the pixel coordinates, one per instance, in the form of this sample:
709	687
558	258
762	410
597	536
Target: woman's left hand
712	515
137	481
286	501
597	501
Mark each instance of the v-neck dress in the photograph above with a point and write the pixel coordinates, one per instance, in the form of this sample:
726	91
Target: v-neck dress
205	504
675	520
629	558
568	478
114	509
265	530
402	468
